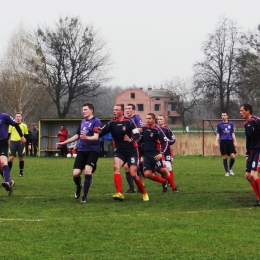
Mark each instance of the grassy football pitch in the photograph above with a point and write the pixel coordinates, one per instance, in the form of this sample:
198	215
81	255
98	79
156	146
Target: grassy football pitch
212	217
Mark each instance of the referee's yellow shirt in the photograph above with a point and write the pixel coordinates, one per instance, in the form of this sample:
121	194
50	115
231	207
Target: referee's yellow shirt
14	134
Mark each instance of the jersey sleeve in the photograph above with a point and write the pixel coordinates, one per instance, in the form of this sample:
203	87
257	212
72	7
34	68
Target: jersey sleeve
106	129
171	137
163	139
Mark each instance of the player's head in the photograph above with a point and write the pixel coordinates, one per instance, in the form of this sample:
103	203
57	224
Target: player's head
130	110
118	110
224	115
89	105
18	117
62	127
160	120
87	110
246	111
150	119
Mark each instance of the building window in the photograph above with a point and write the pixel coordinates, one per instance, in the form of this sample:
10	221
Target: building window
157	98
132	95
157	107
172	107
172	120
140	107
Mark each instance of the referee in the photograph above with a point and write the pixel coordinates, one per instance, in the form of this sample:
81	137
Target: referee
15	143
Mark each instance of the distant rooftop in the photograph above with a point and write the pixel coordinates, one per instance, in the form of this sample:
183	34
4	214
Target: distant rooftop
159	93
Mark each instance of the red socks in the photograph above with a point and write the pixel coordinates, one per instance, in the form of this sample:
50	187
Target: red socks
118	182
158	178
140	185
256	187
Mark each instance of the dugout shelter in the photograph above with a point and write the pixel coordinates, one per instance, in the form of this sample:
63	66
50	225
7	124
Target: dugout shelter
49	127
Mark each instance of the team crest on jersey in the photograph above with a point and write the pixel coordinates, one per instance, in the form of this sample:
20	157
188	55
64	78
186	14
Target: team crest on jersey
124	128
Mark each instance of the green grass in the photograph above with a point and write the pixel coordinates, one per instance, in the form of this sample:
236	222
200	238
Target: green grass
211	218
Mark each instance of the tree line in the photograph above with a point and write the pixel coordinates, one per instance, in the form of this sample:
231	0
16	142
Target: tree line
50	72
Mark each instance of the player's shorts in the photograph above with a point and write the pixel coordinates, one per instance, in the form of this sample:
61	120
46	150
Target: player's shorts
150	163
86	158
253	162
168	157
130	156
17	146
4	148
140	150
227	147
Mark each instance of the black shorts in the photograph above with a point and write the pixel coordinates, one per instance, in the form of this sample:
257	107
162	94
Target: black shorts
168	157
17	146
227	147
4	148
130	157
253	162
150	163
86	158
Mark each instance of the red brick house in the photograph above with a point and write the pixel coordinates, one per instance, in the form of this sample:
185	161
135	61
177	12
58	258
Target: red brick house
157	101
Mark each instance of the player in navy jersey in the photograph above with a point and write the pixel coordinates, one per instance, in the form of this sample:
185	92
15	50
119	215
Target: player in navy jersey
226	138
252	131
5	121
88	150
155	145
130	112
168	153
124	134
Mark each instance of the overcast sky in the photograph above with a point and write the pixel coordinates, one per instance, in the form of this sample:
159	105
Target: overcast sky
150	41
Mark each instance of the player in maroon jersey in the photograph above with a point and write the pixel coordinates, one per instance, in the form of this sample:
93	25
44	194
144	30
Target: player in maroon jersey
155	145
124	134
252	131
168	153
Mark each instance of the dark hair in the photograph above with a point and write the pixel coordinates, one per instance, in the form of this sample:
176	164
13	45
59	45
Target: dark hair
132	105
120	105
224	112
248	107
89	105
152	115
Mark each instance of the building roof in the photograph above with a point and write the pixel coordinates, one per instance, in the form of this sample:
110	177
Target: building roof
160	93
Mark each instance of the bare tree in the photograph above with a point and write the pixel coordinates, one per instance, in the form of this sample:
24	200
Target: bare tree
72	62
216	77
250	69
188	97
19	89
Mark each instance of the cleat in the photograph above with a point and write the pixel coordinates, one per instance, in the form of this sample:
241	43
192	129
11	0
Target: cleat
130	191
145	197
231	172
78	190
164	185
83	200
118	196
227	174
257	204
6	185
11	188
175	190
21	175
